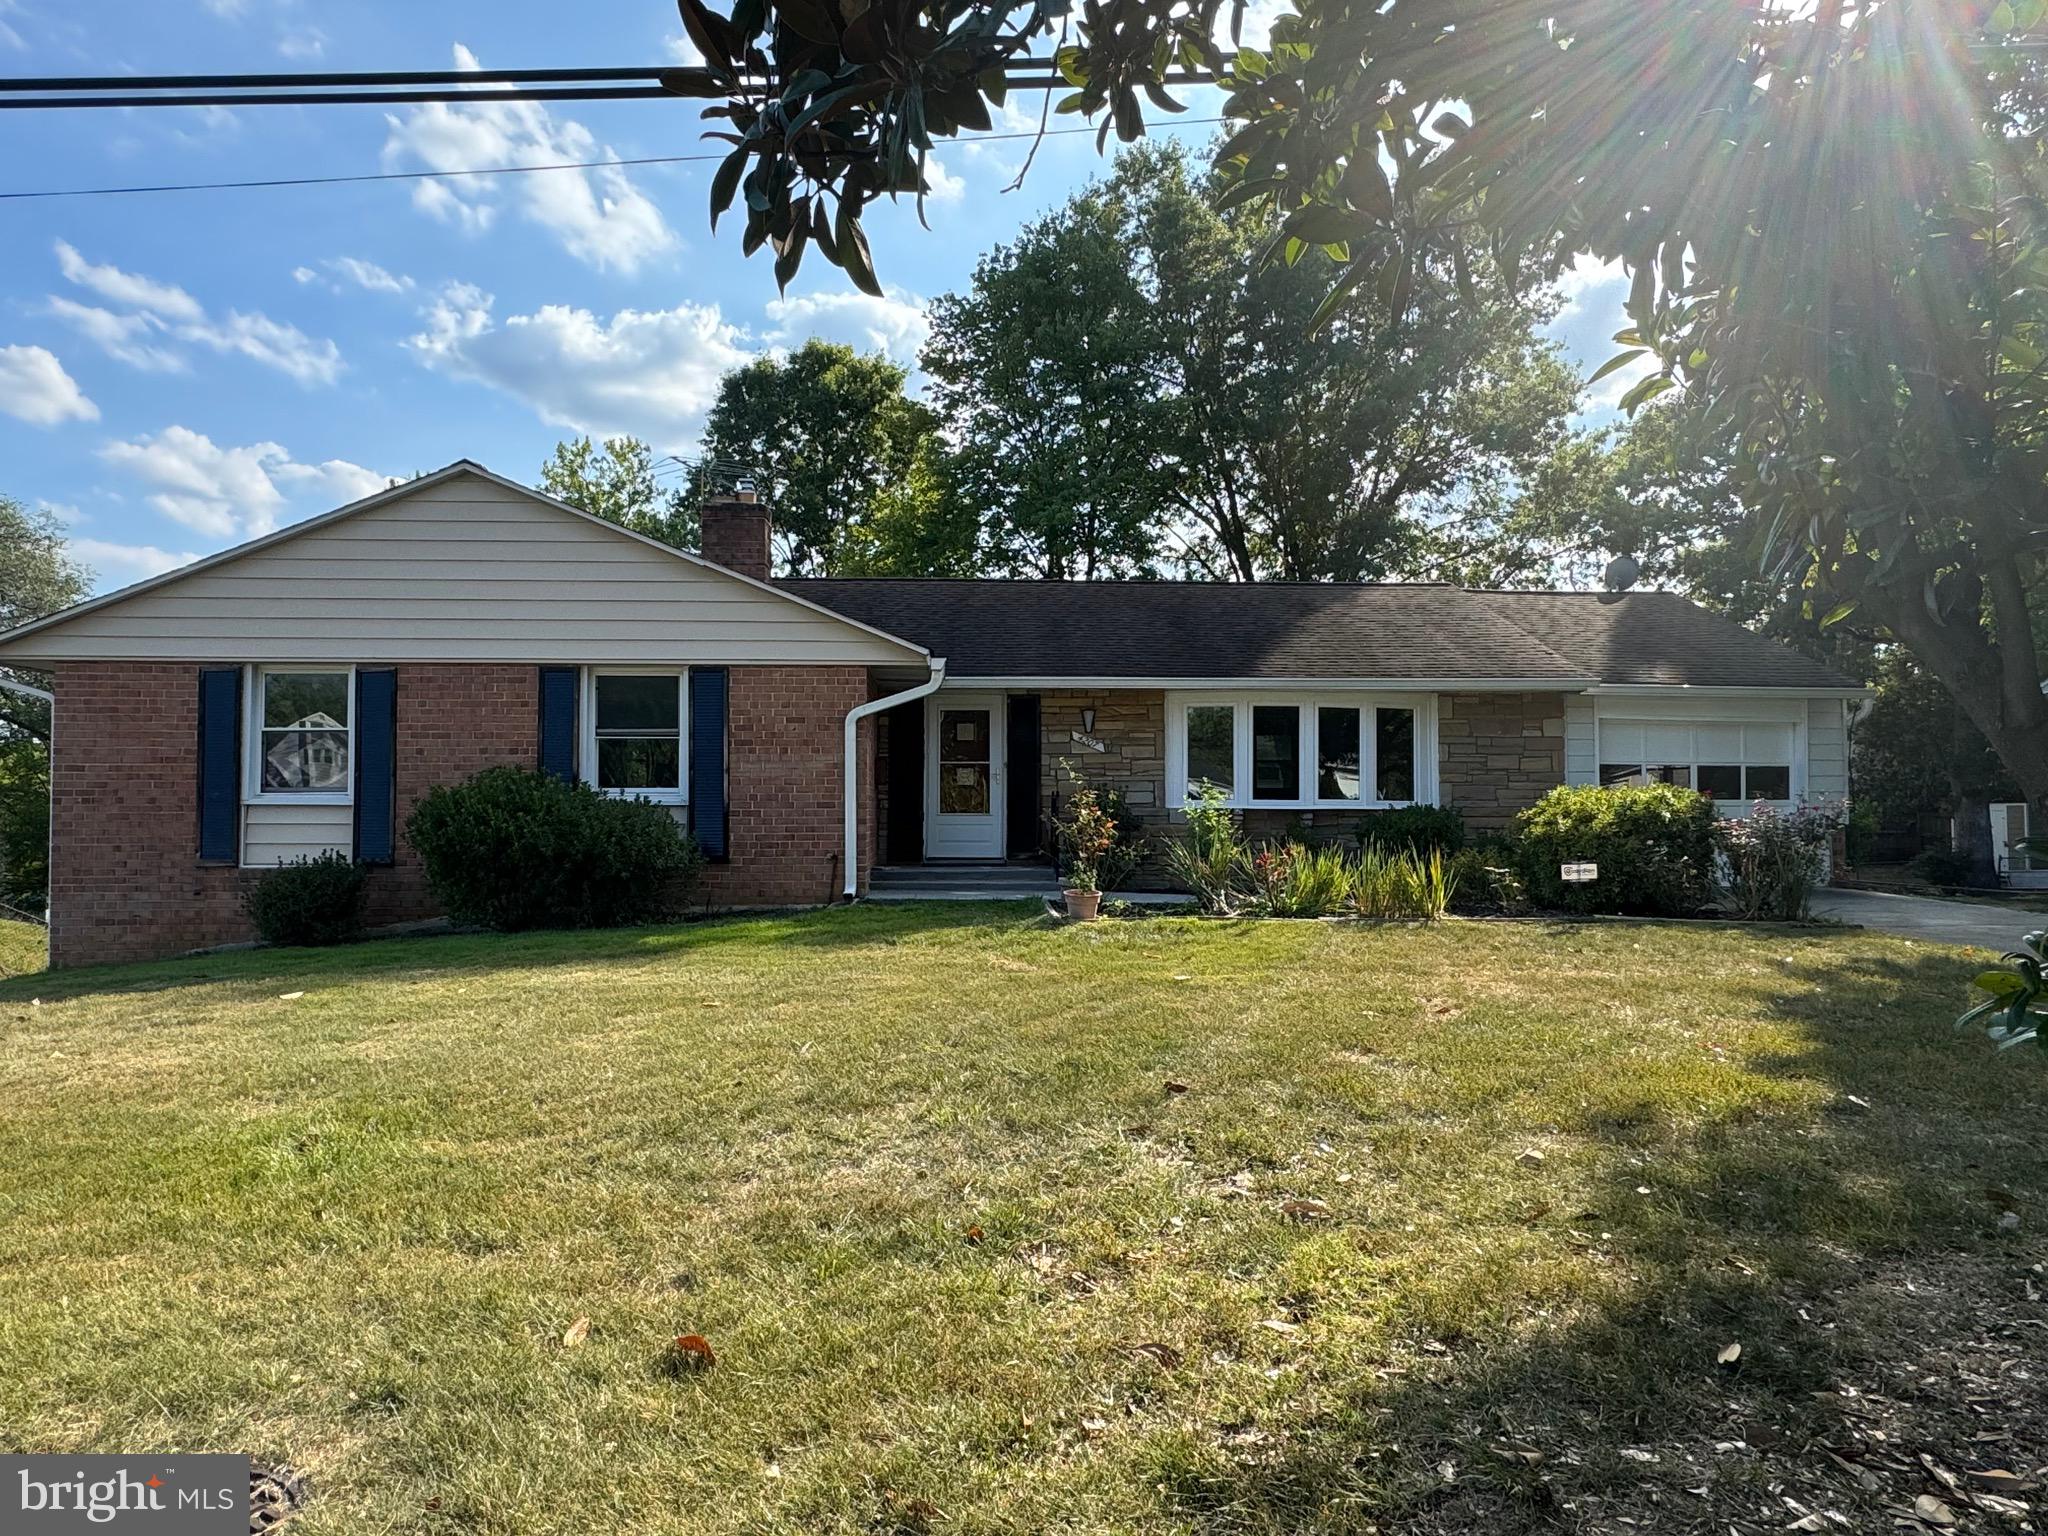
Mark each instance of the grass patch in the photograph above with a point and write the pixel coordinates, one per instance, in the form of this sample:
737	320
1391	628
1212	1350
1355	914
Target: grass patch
24	948
998	1225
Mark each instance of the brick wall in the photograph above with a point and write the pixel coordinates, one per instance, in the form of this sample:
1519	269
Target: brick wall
1498	753
127	884
786	740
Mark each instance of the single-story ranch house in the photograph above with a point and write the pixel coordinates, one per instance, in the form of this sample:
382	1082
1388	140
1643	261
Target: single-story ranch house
301	692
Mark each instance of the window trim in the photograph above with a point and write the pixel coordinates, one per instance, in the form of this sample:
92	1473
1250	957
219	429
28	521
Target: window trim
253	792
1308	705
586	732
1795	765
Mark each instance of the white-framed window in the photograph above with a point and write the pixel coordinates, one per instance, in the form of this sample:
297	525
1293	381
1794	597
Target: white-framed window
1302	751
301	734
1736	762
636	732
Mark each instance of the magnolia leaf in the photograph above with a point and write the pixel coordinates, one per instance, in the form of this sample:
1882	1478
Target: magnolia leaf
1648	390
1616	363
1838	613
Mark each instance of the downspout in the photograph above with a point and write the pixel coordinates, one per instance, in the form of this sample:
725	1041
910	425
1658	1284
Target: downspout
854	717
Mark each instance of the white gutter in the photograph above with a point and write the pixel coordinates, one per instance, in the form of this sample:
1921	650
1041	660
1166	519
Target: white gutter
35	693
854	717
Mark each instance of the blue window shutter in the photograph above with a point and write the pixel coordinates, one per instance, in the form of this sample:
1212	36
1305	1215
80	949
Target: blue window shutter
376	764
220	764
708	689
558	722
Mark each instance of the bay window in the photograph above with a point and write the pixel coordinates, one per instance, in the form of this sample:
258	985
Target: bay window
635	741
1302	751
1734	761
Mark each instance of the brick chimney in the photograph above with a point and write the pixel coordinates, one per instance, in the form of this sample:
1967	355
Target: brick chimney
736	532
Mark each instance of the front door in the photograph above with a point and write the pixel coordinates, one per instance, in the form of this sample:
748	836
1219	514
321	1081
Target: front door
963	816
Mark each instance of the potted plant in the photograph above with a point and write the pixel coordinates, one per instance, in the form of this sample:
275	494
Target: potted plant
1090	833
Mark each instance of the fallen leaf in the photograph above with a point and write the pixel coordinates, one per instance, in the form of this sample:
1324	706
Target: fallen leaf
1165	1356
1279	1325
973	1234
1930	1510
2009	1222
691	1352
286	997
1173	1087
1999	1478
1730	1353
1529	1157
576	1333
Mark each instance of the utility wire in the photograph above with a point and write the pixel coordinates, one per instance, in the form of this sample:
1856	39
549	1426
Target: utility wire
498	170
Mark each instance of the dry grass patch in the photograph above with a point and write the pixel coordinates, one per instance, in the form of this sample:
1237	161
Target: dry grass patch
997	1225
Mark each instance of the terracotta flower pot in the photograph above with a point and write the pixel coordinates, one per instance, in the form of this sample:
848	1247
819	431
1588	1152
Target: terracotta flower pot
1084	904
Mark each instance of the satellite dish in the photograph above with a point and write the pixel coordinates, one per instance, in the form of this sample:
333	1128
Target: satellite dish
1622	572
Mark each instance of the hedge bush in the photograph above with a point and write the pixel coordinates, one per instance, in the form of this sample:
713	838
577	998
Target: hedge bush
1654	844
1413	829
513	848
317	900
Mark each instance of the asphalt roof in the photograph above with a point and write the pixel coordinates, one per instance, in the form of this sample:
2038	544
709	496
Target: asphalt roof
1658	637
1315	631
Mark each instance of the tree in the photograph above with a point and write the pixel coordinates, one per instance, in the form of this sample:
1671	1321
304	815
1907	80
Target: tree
1832	215
1132	388
38	576
1917	752
617	483
1043	375
835	445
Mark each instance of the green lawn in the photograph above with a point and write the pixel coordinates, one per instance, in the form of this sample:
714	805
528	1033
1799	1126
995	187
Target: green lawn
22	948
996	1224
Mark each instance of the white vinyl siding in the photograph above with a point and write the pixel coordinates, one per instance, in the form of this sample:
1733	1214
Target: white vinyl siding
463	569
277	831
1827	749
1581	741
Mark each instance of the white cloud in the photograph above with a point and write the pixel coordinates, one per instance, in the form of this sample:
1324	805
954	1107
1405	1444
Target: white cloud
896	325
599	215
122	337
163	308
272	343
129	289
683	51
353	270
125	563
232	492
941	184
650	373
1589	283
35	388
307	43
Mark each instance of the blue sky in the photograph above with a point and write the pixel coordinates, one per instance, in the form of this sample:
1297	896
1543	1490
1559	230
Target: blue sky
180	372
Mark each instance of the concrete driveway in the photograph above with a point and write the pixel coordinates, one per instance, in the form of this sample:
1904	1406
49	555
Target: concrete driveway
1984	924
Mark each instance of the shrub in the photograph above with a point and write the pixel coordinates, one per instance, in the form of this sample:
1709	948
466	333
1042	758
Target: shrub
25	825
1413	829
1775	861
2017	996
317	900
1654	844
1862	835
1941	866
513	848
1291	880
1209	859
1485	882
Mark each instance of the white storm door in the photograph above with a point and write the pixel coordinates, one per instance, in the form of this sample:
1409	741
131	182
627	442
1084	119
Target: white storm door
963	776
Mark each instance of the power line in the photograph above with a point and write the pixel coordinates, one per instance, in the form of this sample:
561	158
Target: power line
500	170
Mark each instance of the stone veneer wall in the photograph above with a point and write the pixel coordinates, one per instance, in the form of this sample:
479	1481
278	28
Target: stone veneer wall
1498	753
